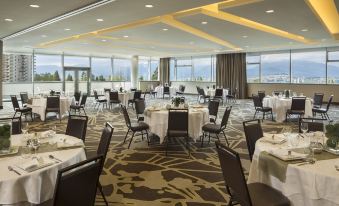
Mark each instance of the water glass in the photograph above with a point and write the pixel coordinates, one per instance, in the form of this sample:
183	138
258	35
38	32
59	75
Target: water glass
25	152
304	127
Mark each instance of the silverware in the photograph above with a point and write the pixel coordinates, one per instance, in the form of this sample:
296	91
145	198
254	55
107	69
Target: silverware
311	162
13	170
54	158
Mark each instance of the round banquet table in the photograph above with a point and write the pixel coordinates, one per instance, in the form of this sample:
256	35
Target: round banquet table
158	122
160	91
39	105
306	185
211	92
123	97
37	186
280	105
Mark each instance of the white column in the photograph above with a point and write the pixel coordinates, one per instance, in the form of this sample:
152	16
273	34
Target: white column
134	72
1	69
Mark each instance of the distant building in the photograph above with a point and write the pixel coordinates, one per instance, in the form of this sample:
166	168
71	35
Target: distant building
17	68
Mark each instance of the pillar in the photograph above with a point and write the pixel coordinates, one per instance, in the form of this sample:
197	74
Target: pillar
1	69
134	72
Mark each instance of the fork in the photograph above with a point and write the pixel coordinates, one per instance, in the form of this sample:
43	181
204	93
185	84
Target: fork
10	168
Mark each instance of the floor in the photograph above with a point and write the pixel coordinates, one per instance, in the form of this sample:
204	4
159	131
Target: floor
143	175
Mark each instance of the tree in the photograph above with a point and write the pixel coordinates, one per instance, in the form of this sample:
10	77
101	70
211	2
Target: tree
155	74
69	77
56	76
83	76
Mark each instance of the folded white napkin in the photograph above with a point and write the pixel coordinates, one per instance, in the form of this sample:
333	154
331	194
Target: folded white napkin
70	142
46	133
29	165
273	138
284	154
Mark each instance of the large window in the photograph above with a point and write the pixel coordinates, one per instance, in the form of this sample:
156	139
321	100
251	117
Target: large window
202	69
143	69
47	68
308	67
253	68
76	61
154	70
275	68
101	69
121	70
333	67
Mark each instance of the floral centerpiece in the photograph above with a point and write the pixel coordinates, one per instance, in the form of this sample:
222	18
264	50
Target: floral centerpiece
332	134
52	92
176	101
121	89
5	135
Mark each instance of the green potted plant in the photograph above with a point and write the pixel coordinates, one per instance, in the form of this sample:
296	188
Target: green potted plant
5	135
176	101
332	134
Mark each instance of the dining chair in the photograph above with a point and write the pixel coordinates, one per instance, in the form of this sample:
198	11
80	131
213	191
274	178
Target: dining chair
53	105
219	94
103	147
314	124
181	90
77	96
140	109
297	107
232	95
261	95
137	95
216	129
213	107
178	126
203	95
253	132
323	111
254	194
107	90
133	89
114	98
77	184
24	98
15	123
318	100
23	111
258	106
166	91
99	101
139	128
81	106
77	126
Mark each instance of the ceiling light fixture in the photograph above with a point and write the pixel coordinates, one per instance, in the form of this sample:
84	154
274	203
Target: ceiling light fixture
100	20
8	19
204	22
304	30
103	40
270	11
67	29
244	36
43	36
149	6
125	36
34	6
165	29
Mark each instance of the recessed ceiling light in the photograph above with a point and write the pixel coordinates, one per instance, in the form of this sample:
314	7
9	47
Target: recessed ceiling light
152	47
204	22
244	36
323	39
270	11
149	6
247	46
165	29
67	29
8	19
191	42
125	36
84	43
43	36
100	20
34	6
304	30
103	40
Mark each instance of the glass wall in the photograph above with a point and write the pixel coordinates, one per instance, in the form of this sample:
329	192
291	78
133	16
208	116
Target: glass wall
148	69
101	69
75	61
154	70
311	66
122	70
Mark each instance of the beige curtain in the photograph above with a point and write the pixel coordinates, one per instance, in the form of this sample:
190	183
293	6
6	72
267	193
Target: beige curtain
164	69
231	72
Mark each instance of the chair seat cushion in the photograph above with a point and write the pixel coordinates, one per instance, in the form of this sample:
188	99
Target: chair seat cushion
289	111
319	110
115	101
213	128
25	109
176	133
102	100
139	126
265	109
262	194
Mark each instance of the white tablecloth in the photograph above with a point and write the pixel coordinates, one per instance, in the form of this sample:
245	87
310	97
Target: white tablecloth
158	122
281	105
160	91
306	185
39	106
123	97
37	186
211	92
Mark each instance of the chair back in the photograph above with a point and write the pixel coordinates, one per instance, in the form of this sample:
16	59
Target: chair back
83	99
182	88
126	116
53	102
137	95
96	97
298	103
213	107
77	126
213	86
276	93
225	117
253	132
24	97
77	184
219	92
140	106
257	102
261	95
198	90
314	124
178	120
133	89
114	95
15	102
77	96
202	92
329	103
105	140
107	90
166	89
16	124
318	99
233	174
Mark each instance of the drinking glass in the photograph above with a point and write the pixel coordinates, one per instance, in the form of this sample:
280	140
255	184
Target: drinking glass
26	152
294	139
25	128
304	127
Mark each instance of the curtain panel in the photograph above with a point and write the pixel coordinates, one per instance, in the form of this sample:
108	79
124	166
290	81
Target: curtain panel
231	73
164	69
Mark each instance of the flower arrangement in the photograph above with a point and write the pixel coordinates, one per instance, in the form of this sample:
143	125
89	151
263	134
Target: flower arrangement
332	133
176	101
5	135
52	92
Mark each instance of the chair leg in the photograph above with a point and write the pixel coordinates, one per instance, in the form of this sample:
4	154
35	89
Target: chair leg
84	111
147	137
167	145
228	144
102	193
209	138
32	116
202	139
131	140
255	113
126	135
263	116
272	115
14	114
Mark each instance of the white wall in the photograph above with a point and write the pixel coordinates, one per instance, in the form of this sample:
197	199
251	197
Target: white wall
191	86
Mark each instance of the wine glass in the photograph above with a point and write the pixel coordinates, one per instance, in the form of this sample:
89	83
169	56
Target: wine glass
34	143
304	127
25	128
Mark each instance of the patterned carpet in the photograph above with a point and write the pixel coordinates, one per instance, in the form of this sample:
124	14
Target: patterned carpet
143	175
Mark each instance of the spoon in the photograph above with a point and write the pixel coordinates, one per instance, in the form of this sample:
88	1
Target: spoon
54	158
13	170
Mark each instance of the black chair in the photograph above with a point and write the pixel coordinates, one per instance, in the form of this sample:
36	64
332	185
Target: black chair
133	89
219	94
77	126
99	101
297	107
232	95
323	111
137	95
181	90
103	147
277	93
53	105
178	126
261	95
77	184
259	107
166	91
77	96
253	132
318	100
213	107
140	109
24	98
203	95
107	90
152	92
114	98
16	124
81	106
314	124
254	194
23	111
216	129
140	127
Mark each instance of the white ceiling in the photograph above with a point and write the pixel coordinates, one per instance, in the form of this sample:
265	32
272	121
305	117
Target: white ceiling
151	40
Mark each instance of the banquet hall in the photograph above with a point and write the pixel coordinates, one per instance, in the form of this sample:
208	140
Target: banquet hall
169	103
